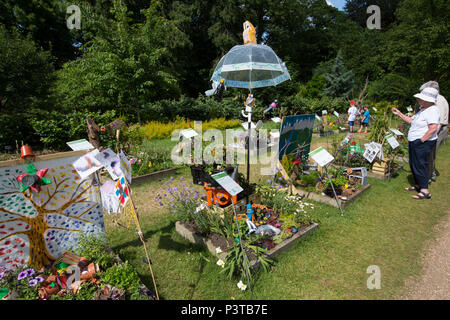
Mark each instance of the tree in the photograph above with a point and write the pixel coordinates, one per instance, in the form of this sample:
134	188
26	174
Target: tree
26	73
125	66
418	47
339	80
45	22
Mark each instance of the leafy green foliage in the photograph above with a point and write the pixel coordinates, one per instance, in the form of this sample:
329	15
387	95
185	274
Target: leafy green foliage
56	128
94	249
122	276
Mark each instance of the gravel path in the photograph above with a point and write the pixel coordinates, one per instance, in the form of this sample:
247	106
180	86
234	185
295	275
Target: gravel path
435	281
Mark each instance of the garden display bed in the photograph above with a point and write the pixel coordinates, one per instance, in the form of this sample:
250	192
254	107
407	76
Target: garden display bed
153	176
214	241
329	200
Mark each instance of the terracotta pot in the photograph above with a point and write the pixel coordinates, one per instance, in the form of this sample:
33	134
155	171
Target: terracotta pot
91	272
26	152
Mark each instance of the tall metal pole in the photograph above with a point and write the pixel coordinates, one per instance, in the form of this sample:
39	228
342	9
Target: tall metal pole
332	187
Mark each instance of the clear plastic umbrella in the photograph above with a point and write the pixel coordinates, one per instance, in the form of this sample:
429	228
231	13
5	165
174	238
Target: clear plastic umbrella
251	66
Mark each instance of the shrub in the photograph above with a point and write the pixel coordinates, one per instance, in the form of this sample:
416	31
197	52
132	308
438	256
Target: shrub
56	128
160	130
202	108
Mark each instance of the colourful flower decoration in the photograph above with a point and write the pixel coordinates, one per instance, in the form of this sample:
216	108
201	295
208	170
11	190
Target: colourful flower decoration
296	161
33	179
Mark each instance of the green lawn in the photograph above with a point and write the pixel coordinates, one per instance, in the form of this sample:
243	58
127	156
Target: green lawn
385	227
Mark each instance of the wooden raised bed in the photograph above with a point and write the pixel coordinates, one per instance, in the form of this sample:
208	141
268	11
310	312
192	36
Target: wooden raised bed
278	249
328	200
319	197
152	176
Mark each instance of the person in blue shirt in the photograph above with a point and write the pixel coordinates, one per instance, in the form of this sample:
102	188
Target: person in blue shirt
365	119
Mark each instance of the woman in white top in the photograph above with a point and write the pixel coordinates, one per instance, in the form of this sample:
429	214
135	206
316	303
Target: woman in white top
422	138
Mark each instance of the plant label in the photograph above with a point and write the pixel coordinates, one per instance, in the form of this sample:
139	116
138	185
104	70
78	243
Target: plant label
392	141
321	156
395	131
371	152
318	118
324	112
276	120
78	145
189	133
227	183
336	114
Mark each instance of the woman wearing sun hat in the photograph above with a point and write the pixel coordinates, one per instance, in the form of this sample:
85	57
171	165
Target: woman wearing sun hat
422	138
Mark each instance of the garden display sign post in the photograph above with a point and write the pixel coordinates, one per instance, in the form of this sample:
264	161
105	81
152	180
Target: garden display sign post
323	158
234	189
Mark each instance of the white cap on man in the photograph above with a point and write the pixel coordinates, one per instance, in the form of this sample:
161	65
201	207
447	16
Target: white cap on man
428	94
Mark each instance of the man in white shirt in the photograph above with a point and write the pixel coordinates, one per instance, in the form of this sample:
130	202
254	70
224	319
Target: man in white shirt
442	105
352	114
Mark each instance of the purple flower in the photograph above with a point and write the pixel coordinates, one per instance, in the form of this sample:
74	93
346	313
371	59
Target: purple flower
29	272
181	178
172	199
32	283
161	205
269	181
40	279
22	275
2	274
174	211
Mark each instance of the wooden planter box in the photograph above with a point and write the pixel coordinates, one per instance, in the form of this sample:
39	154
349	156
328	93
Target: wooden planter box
381	167
385	175
279	248
328	200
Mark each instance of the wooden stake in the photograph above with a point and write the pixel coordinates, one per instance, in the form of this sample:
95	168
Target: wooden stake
141	237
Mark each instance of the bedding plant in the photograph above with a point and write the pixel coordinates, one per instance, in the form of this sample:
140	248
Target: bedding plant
24	283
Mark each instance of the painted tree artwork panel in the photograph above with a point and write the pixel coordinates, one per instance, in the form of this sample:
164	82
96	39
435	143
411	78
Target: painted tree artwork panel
295	136
37	227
